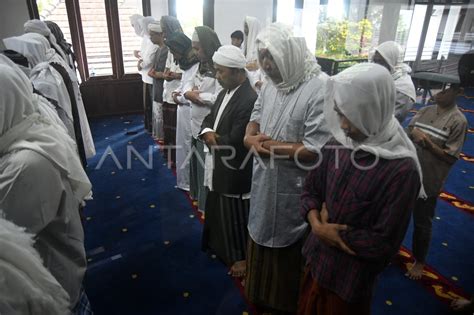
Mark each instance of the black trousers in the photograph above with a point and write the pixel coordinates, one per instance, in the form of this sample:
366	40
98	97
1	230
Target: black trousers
148	105
423	220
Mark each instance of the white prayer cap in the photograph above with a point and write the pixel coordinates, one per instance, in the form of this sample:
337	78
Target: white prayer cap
230	56
37	26
195	37
155	27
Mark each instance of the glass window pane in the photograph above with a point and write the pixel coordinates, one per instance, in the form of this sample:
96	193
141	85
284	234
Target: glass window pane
432	34
414	35
348	30
189	14
130	41
55	11
96	37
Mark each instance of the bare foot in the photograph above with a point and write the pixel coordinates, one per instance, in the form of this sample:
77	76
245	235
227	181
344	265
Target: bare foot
238	269
416	271
460	305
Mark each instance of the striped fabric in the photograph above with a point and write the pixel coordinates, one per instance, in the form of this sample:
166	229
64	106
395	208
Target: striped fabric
169	127
432	131
273	276
446	129
225	228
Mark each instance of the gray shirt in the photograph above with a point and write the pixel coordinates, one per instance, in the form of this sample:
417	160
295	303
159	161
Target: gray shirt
448	131
297	117
35	195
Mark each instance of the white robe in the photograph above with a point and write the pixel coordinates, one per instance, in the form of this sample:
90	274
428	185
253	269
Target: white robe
27	288
209	88
51	212
183	130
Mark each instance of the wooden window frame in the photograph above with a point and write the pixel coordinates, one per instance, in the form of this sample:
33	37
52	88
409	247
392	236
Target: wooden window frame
113	26
77	37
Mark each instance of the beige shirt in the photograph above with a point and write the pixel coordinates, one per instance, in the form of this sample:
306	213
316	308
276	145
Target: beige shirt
448	131
35	195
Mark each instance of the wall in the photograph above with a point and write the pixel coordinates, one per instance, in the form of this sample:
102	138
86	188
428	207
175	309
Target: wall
229	15
159	8
112	97
12	17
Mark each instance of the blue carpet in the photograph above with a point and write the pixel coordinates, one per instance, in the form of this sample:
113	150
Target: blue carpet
143	238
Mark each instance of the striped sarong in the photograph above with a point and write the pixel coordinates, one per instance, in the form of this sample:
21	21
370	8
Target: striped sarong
273	276
225	227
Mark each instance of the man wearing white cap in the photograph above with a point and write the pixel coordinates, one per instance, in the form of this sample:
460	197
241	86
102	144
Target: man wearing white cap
228	173
157	73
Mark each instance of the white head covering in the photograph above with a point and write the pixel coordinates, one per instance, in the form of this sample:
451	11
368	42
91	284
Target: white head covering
249	44
154	27
142	28
45	108
27	286
134	21
230	56
365	94
40	27
291	55
46	79
393	55
134	18
33	46
21	127
38	48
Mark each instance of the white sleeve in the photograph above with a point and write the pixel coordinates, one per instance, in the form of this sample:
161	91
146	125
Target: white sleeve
209	98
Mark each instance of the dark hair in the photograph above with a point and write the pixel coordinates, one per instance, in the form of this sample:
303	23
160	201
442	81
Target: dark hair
466	69
237	34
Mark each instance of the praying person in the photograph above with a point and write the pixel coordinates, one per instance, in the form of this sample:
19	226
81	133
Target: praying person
184	54
286	125
45	78
438	132
252	28
359	199
237	38
201	96
32	147
172	76
157	73
40	27
390	55
145	56
228	174
61	41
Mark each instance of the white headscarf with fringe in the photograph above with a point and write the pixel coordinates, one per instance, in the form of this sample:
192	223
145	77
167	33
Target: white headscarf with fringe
291	55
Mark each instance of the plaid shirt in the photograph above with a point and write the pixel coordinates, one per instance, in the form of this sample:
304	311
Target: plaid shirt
376	204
